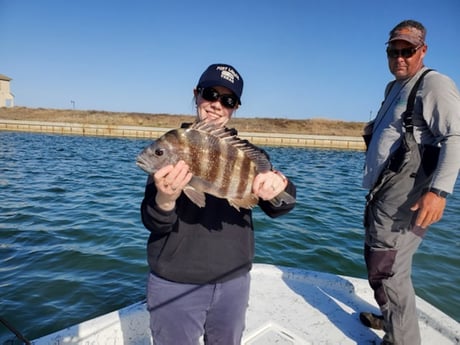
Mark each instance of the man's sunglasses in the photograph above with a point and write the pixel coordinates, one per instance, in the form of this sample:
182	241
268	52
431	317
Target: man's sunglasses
227	100
405	52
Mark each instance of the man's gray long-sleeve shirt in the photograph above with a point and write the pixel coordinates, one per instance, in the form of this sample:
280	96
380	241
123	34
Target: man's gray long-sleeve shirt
436	122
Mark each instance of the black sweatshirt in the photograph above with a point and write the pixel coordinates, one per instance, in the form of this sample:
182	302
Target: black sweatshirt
201	245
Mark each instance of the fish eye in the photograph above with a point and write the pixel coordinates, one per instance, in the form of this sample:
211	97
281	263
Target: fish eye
159	152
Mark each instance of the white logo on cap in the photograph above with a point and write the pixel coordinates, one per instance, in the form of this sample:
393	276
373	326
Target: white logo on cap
228	74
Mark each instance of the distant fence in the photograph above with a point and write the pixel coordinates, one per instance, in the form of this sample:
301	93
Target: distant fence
267	139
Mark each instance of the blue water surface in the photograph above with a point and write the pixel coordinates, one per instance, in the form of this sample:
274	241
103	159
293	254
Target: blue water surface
72	245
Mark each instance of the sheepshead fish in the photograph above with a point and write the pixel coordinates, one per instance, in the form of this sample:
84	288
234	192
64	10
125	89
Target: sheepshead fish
222	164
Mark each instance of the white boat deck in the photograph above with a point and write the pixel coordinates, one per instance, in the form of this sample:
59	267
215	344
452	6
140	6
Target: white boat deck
286	306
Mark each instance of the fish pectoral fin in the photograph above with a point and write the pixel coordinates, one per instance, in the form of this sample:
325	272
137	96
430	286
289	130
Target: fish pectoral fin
198	198
281	198
248	202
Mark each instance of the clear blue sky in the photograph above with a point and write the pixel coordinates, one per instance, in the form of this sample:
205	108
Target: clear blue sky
299	59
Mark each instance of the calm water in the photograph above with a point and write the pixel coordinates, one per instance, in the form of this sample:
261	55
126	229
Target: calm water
72	245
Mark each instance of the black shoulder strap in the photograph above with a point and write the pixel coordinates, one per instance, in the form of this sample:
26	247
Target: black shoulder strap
407	115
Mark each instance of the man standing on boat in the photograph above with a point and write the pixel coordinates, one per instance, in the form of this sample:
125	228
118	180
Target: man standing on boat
412	163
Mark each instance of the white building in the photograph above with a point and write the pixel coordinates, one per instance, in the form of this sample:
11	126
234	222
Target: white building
6	97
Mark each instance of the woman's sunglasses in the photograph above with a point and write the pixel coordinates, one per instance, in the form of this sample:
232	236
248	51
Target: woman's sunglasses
405	52
227	100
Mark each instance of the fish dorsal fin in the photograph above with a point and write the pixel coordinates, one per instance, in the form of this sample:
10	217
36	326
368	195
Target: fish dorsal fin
230	136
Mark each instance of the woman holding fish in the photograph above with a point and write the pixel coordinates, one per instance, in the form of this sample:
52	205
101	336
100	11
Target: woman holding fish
203	181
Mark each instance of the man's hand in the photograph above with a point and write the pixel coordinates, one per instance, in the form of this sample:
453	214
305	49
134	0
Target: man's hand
430	209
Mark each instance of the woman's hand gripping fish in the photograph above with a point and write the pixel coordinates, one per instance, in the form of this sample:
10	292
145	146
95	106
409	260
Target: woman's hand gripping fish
222	164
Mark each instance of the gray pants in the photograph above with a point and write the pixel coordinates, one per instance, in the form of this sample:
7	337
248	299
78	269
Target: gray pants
392	238
183	313
389	273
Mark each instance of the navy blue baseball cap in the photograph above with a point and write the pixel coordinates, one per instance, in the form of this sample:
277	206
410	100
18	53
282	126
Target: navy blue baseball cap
222	75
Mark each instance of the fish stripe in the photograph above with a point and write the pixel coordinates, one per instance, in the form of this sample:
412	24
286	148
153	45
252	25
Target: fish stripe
228	167
212	158
193	152
244	176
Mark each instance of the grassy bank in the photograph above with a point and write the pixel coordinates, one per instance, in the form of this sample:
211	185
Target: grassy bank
261	125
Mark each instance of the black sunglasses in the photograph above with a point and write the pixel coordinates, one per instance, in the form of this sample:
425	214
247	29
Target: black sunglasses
227	100
405	52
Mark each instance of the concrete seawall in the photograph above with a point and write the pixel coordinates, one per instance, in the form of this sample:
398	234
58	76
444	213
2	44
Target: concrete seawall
262	139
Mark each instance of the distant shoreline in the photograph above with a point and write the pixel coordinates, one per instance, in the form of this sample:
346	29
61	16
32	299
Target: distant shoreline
256	125
318	133
262	139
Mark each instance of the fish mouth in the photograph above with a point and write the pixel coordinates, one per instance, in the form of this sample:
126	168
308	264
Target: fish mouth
142	163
